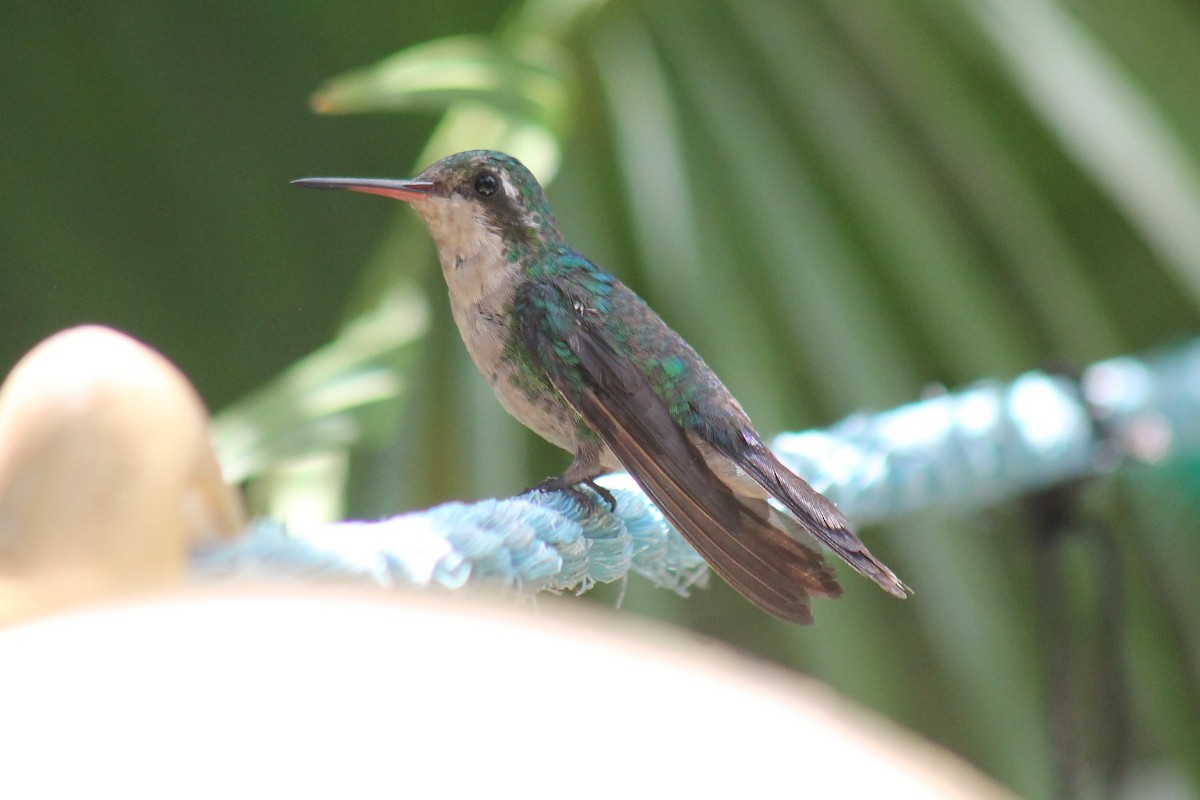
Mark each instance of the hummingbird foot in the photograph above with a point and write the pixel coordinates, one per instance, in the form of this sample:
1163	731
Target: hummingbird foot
571	487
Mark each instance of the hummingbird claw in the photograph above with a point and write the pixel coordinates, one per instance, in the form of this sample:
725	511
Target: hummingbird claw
581	497
605	494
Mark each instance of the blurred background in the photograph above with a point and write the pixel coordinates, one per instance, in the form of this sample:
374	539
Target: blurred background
839	204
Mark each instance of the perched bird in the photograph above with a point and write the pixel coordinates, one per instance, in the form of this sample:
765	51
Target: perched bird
581	360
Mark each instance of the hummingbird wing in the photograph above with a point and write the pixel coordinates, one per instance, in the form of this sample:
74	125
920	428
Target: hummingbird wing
569	343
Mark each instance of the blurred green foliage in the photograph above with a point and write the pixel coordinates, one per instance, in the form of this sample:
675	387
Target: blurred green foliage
837	203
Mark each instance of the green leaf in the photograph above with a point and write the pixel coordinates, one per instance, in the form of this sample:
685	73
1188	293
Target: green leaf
528	82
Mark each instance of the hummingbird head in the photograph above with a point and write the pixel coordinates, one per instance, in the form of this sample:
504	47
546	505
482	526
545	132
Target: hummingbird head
484	209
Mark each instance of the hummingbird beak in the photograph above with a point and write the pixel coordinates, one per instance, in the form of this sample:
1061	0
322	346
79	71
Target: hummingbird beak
408	191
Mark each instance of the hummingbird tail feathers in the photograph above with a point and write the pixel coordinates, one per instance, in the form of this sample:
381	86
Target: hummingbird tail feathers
817	514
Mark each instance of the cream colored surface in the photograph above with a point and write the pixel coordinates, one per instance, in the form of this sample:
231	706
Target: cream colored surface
304	694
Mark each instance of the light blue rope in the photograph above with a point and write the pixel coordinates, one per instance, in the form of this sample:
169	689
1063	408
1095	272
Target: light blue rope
535	542
988	442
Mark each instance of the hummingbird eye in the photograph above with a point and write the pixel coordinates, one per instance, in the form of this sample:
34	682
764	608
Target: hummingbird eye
486	184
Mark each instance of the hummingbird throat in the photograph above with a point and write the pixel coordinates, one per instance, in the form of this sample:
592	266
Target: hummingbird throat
473	254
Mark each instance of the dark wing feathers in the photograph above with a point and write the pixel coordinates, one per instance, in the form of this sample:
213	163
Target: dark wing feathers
757	559
736	537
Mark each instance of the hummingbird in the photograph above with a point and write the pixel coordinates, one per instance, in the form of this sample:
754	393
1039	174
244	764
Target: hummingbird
584	362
